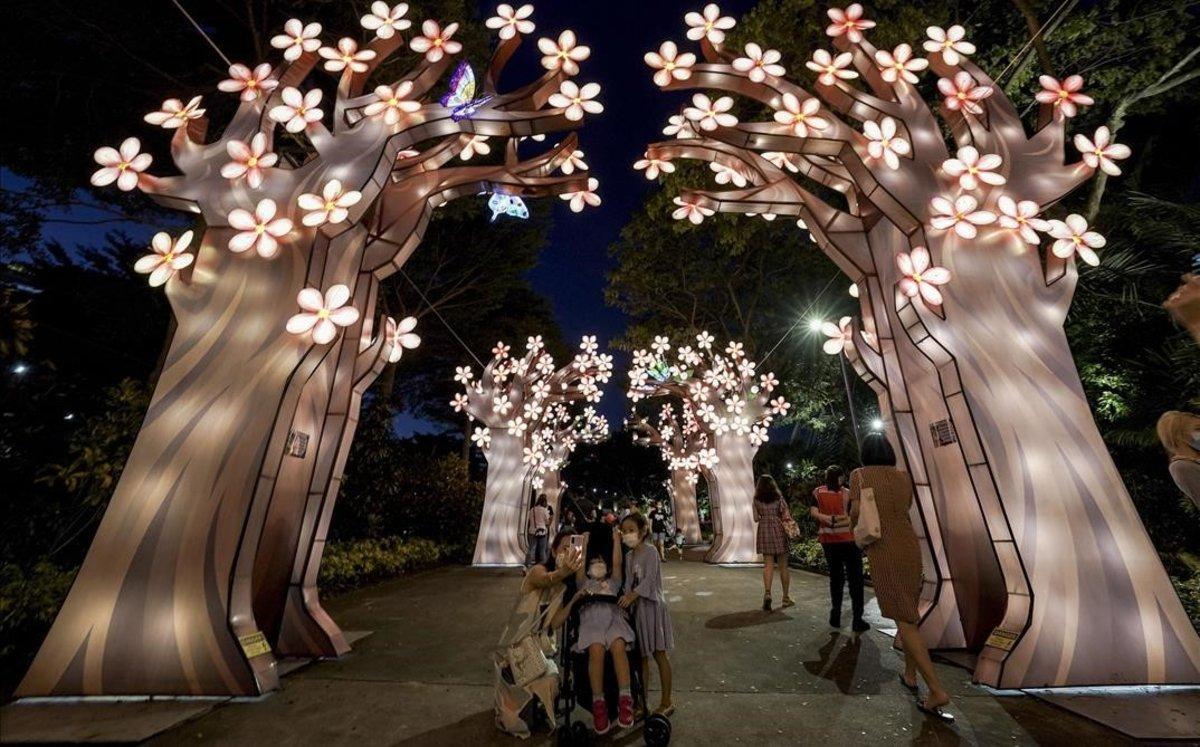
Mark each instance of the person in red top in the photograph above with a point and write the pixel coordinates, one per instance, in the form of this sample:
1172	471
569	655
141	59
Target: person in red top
831	509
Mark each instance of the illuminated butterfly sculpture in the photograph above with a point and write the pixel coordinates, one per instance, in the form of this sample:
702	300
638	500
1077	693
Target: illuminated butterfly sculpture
511	205
461	97
660	371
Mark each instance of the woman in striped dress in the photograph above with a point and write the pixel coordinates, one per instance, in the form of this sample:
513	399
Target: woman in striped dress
770	509
896	562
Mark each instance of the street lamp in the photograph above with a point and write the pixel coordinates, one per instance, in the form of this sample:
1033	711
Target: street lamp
876	425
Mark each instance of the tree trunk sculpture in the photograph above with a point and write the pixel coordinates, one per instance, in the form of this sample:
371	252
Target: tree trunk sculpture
944	246
734	406
522	403
684	446
208	552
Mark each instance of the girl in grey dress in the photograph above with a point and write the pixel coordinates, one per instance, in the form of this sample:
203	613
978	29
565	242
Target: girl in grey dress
644	592
603	627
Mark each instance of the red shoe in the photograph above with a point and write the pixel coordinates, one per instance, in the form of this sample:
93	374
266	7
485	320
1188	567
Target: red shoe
600	717
625	711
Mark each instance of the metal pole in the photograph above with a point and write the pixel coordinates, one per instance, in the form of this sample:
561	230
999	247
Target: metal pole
850	402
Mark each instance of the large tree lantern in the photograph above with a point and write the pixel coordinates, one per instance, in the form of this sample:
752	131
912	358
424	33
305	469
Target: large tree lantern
551	446
1048	572
683	442
514	399
207	554
734	405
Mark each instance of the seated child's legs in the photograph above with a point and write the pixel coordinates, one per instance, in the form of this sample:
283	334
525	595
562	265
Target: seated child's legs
596	670
620	662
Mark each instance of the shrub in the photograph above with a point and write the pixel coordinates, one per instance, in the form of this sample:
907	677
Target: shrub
1188	588
807	554
347	565
28	602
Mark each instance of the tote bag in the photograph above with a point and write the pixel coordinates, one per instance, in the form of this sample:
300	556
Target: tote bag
867	530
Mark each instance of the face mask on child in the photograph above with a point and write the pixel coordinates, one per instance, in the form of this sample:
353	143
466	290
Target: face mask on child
597	570
630	539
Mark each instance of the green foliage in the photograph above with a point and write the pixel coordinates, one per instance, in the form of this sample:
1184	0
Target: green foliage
348	565
29	599
1188	588
807	554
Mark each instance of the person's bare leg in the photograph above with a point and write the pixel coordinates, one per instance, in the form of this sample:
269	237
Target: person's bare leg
915	647
596	670
664	678
785	576
910	669
768	574
620	663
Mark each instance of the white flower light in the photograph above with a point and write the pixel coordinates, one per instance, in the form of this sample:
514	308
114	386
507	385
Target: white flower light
848	21
250	160
321	316
386	21
392	103
801	116
669	64
709	114
653	166
122	165
584	198
346	56
168	257
948	42
260	230
970	168
249	84
576	100
510	22
298	110
960	215
1075	238
1022	218
758	63
175	114
709	25
400	337
565	54
882	141
297	38
435	42
1100	153
831	68
690	211
920	278
899	64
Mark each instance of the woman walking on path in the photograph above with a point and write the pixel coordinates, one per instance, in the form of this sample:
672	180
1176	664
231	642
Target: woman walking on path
644	593
771	540
896	562
831	510
538	610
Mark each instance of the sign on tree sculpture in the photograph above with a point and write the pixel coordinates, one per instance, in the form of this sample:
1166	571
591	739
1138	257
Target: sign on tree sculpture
734	408
205	563
683	442
551	446
1039	560
522	404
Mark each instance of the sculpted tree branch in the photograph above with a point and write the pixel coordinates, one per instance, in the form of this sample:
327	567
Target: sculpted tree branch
684	443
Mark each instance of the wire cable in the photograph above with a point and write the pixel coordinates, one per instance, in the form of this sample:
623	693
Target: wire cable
207	38
800	319
438	314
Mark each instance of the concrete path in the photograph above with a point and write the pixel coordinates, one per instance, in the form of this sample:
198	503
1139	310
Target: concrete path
742	676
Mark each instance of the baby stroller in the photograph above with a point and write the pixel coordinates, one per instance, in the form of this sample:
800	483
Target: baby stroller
575	688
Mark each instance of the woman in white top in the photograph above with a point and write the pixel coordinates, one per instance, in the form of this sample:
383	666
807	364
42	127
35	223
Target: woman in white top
539	532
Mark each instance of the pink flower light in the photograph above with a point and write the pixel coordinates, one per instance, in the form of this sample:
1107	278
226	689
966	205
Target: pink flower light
385	21
400	337
669	64
249	84
565	54
168	257
322	315
711	24
654	166
1075	238
259	231
297	38
250	160
831	68
1021	216
919	277
574	162
882	142
693	212
476	145
576	100
435	42
971	168
346	55
1064	96
122	165
1100	152
392	103
800	116
709	114
298	110
841	336
510	22
331	206
175	114
583	198
849	22
759	63
960	215
899	64
963	93
949	43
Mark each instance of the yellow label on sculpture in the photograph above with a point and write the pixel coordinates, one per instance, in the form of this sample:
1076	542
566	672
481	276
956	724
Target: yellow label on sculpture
254	644
1003	639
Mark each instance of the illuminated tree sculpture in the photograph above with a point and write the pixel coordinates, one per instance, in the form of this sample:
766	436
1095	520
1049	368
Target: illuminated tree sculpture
552	445
683	442
734	406
515	400
964	321
207	555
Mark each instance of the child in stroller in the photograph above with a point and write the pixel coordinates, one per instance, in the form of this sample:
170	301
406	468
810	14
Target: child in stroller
596	624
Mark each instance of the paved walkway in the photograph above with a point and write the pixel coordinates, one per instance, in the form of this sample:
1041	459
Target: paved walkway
742	676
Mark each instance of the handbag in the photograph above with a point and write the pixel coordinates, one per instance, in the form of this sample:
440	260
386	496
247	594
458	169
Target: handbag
526	660
868	529
790	527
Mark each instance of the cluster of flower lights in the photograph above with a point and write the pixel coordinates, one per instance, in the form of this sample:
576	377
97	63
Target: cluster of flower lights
531	397
263	227
682	439
722	391
973	182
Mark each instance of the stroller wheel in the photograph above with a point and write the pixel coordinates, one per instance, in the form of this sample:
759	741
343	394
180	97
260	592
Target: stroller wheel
657	731
581	735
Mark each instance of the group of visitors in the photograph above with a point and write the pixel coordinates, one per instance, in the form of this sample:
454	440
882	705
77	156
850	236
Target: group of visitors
605	568
886	494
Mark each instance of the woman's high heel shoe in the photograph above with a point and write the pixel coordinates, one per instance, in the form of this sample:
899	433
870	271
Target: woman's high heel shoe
767	603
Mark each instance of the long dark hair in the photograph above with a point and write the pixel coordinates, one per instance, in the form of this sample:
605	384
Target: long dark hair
833	478
766	491
877	451
552	562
